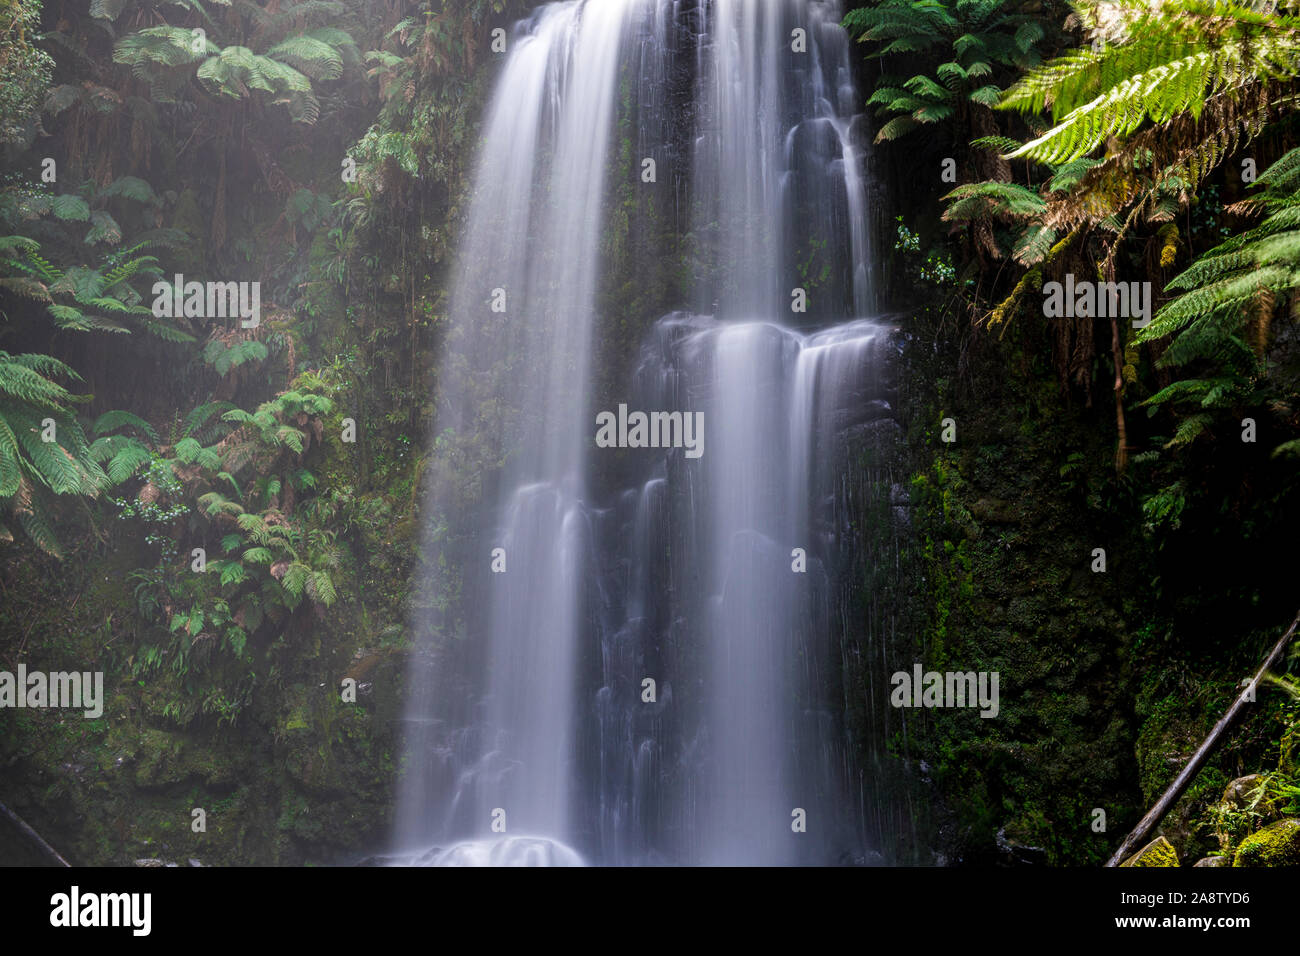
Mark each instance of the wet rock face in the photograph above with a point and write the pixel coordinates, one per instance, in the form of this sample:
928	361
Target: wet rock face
1014	853
1159	852
995	511
1278	844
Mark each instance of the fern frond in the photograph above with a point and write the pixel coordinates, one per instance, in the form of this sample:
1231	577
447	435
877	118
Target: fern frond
1176	56
214	503
1033	245
129	187
310	56
199	417
988	199
32	512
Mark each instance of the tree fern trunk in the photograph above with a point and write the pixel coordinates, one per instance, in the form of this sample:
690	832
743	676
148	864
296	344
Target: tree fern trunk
1121	441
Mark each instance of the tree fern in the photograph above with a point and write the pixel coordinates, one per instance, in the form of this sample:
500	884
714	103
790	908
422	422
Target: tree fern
310	56
225	357
98	293
214	503
982	200
186	450
283	72
1227	298
197	422
11	471
103	228
968	39
232	573
1217	289
32	510
69	207
296	578
276	22
1169	59
122	455
42	445
151	50
320	588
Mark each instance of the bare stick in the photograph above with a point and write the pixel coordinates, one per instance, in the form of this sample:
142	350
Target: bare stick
32	835
1203	752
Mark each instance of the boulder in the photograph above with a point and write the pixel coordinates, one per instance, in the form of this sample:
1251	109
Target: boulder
1159	852
1212	861
1239	792
1278	844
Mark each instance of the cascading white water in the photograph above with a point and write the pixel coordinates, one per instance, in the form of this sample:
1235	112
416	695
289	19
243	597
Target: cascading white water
777	149
689	576
714	590
777	167
518	361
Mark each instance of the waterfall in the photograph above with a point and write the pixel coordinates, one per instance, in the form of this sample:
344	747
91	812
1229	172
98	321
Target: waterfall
655	664
517	372
775	159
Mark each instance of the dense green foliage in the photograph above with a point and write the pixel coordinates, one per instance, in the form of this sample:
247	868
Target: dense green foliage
982	37
1129	155
222	518
24	69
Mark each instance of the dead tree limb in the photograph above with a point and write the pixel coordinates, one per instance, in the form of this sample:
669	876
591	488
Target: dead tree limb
1203	752
32	835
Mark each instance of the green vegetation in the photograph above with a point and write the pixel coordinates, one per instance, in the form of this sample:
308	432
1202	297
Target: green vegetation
984	38
1152	144
320	149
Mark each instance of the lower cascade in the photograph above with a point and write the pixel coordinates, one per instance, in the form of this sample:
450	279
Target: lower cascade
505	851
645	637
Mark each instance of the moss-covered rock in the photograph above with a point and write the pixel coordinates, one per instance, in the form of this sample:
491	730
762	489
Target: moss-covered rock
299	777
1002	563
1278	844
1159	852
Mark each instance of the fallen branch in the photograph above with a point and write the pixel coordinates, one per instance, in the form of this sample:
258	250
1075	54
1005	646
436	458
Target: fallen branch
32	835
1170	796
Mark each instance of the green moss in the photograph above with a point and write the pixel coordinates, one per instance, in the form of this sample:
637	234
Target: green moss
1003	578
1159	852
1288	762
1278	844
